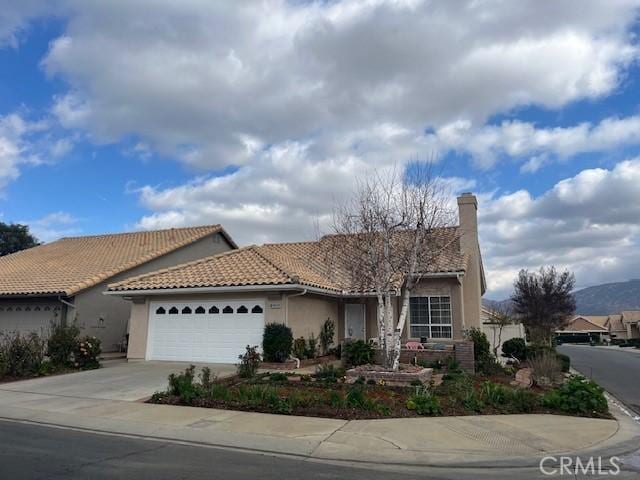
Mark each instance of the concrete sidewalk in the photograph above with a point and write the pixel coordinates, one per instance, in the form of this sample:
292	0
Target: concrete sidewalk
507	440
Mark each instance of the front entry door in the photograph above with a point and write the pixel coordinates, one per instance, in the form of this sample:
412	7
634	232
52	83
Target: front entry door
354	321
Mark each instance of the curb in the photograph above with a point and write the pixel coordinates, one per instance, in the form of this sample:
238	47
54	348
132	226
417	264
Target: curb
618	449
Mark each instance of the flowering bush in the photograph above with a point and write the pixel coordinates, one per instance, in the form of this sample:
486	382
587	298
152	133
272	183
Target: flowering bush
87	353
62	343
249	362
21	355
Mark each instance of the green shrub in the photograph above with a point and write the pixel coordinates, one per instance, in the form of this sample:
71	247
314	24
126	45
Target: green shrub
249	362
577	395
207	378
21	355
277	342
326	335
453	365
278	377
565	362
485	362
424	403
481	345
358	353
87	353
300	348
62	344
516	348
337	399
523	400
312	346
328	372
356	397
182	385
494	394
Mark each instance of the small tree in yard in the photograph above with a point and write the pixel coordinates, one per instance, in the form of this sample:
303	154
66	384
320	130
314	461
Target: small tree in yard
501	317
544	301
386	237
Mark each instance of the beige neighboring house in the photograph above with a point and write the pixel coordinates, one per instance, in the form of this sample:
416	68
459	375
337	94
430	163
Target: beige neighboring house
66	279
491	329
620	326
583	328
210	309
631	322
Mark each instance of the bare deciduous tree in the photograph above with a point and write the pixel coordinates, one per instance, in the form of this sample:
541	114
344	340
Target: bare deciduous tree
501	316
387	237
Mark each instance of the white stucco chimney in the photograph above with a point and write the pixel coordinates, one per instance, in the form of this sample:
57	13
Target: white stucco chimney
473	284
468	219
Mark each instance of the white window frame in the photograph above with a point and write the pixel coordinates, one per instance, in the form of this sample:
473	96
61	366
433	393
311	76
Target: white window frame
431	324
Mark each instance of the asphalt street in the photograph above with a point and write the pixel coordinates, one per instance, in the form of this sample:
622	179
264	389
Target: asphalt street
617	371
38	452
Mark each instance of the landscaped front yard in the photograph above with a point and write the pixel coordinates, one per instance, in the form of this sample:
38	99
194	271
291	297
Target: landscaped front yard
325	394
31	355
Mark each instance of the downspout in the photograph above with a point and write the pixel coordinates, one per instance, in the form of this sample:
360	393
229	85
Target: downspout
464	323
286	304
63	318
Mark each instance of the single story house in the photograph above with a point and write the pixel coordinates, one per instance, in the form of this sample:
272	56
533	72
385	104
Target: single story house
584	328
210	309
491	328
619	326
631	322
617	329
66	279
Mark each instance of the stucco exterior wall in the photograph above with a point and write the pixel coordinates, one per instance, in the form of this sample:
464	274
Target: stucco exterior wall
308	313
107	316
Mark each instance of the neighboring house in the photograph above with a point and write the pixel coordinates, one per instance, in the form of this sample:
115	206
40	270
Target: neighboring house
66	278
631	322
584	328
620	326
491	328
617	329
210	309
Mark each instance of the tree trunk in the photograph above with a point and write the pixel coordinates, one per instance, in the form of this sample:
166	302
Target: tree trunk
402	319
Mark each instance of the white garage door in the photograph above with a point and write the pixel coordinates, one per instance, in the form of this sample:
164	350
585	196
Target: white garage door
212	332
28	317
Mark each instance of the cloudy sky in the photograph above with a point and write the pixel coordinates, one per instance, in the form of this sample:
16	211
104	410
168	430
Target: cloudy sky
139	114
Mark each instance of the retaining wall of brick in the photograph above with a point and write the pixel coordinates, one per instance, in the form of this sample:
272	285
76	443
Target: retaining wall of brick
461	350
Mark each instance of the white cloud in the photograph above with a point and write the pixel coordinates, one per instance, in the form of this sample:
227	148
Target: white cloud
587	223
15	148
16	15
53	226
282	195
519	140
211	82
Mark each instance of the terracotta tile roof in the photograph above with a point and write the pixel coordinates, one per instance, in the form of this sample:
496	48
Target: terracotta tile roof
586	323
301	263
69	265
630	316
614	322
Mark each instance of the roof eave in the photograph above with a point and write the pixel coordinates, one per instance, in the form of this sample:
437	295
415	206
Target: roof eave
221	289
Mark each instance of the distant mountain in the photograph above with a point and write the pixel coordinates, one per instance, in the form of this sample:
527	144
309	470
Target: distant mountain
608	298
600	299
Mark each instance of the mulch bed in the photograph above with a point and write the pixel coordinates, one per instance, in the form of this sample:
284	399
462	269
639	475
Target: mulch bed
394	399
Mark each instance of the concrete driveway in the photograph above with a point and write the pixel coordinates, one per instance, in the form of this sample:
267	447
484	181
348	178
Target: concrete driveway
115	381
